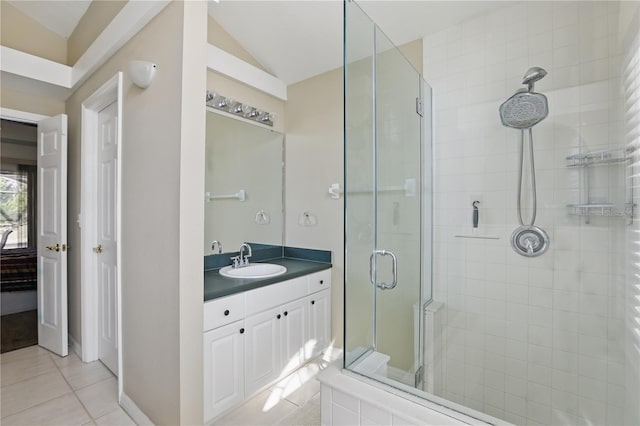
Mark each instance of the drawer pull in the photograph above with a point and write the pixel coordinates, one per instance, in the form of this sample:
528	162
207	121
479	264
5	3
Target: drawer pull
278	316
226	313
321	281
242	331
286	313
313	302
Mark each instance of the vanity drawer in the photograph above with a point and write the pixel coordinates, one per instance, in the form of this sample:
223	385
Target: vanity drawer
273	295
319	281
219	312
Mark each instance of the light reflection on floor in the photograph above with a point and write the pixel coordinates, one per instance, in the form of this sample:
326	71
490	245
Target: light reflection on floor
304	374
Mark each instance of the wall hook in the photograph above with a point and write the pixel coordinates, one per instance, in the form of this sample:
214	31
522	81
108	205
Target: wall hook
307	218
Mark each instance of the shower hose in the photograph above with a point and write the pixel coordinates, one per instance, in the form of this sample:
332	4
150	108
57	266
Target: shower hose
533	177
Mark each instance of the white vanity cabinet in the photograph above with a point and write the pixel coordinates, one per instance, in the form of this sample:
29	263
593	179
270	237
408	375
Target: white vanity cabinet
319	323
223	368
253	338
319	304
263	356
294	327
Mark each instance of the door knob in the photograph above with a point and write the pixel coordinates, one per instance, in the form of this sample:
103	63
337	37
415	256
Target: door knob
54	248
66	247
98	249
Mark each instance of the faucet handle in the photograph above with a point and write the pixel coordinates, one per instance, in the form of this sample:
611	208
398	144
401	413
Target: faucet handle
236	261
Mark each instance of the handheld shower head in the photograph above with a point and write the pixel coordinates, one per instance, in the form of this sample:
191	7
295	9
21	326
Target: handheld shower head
532	75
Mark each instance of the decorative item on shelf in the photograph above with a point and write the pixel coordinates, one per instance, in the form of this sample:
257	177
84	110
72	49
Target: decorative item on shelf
587	207
229	105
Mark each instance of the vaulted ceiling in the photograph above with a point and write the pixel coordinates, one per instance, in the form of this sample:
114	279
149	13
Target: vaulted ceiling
294	40
59	16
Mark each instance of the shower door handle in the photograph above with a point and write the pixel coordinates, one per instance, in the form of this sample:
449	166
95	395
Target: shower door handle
394	270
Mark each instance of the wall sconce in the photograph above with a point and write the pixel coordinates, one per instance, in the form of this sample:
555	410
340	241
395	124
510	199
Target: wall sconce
216	100
142	73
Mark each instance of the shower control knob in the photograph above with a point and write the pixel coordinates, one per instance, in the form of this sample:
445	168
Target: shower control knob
529	241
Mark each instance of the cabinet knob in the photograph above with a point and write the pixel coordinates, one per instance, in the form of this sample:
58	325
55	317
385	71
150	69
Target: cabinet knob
242	331
313	302
286	313
321	281
278	316
226	312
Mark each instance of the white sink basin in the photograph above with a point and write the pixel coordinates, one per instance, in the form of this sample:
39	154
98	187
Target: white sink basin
253	270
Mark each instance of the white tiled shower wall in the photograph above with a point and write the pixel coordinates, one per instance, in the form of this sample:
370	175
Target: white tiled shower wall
530	340
631	135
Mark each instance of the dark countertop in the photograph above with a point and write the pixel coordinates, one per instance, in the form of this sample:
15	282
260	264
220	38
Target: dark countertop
215	285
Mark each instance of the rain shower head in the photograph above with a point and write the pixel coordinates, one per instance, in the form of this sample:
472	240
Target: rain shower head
524	110
532	75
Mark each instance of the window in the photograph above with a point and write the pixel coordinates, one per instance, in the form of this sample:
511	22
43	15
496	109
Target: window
17	206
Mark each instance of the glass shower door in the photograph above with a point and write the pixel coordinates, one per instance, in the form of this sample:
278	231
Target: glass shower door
383	206
396	259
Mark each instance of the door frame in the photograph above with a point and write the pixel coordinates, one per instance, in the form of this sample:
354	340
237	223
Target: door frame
35	118
21	116
109	92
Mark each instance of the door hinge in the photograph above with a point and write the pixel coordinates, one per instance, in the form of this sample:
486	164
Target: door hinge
419	377
419	107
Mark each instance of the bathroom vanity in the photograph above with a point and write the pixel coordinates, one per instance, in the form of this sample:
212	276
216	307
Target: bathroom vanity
258	330
258	326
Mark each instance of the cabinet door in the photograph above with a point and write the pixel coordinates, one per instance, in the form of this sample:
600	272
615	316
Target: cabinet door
294	334
263	357
223	369
319	322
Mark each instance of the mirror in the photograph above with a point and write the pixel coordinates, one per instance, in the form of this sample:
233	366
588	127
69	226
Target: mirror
243	183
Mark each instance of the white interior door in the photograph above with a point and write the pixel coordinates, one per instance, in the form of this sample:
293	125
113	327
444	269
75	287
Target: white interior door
52	234
106	250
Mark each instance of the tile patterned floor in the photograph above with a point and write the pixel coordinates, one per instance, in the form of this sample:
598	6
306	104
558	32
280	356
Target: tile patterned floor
41	388
293	401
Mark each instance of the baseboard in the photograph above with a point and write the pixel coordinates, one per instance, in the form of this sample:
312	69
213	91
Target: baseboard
75	346
136	414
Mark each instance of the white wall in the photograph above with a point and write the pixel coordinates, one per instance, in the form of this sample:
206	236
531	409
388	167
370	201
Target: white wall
162	213
529	340
314	160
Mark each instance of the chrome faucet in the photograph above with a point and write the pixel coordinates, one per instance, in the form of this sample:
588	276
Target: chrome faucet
213	246
244	261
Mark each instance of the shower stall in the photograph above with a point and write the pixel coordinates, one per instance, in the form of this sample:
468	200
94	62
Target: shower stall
500	287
